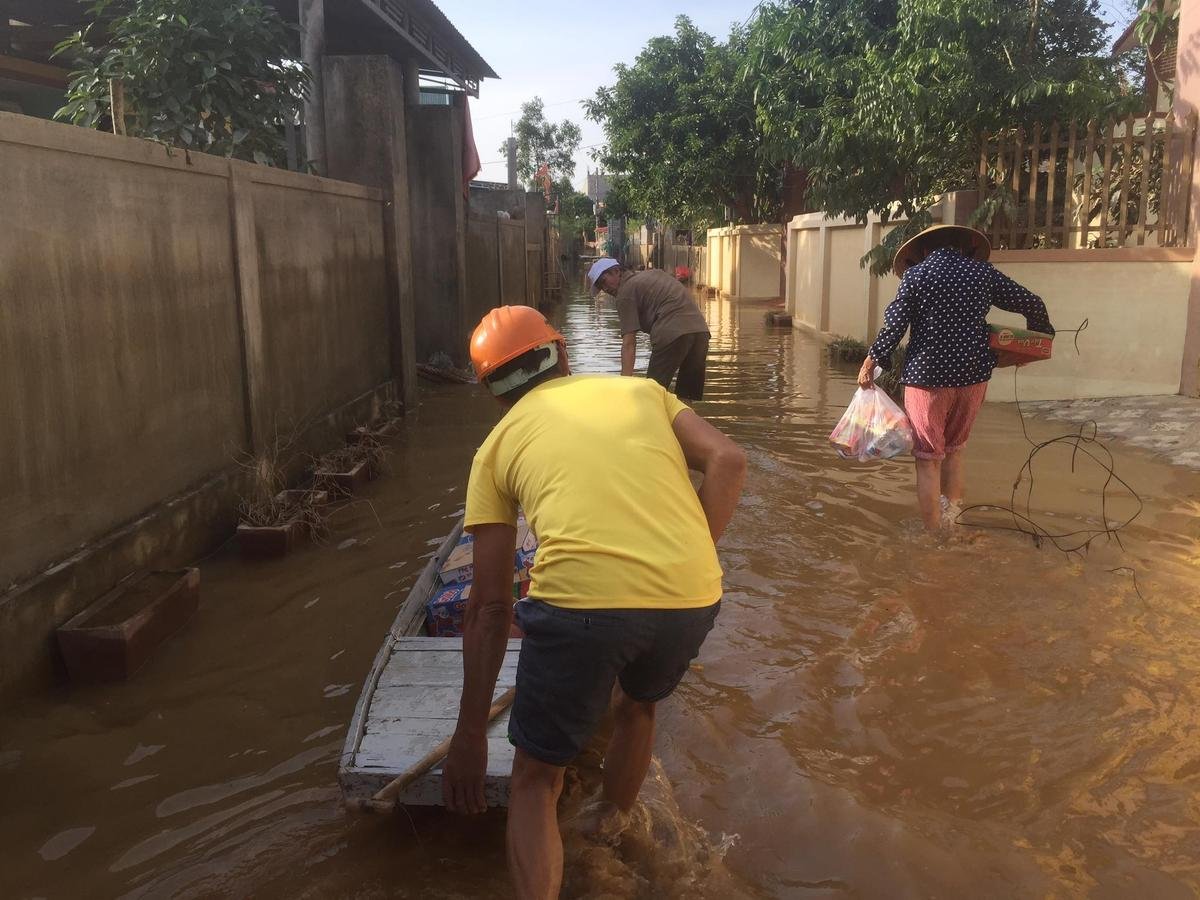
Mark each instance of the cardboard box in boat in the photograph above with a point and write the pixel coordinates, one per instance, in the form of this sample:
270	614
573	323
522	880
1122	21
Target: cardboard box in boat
445	611
459	567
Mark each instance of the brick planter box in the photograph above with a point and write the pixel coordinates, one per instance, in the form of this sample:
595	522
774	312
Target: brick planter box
269	541
349	482
272	541
113	638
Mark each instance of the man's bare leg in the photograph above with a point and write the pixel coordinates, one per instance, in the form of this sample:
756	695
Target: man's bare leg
627	759
929	490
535	853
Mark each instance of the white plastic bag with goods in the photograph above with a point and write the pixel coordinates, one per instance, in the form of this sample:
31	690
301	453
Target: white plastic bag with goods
873	427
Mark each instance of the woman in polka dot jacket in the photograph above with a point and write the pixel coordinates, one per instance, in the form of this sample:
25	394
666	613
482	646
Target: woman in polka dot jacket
946	289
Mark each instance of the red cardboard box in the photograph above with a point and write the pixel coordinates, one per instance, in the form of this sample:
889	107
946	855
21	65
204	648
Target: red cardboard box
1016	346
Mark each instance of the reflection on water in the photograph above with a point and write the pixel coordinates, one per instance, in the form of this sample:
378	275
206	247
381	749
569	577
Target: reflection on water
875	714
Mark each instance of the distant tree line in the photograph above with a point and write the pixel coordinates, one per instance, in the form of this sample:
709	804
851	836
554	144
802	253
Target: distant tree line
874	107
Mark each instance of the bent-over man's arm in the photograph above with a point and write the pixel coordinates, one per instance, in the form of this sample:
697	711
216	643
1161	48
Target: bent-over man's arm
720	460
627	316
485	641
628	353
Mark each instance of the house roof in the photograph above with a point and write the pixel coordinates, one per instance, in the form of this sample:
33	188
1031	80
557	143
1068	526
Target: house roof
410	28
1127	41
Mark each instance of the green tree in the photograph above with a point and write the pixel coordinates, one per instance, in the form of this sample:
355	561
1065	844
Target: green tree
882	103
680	128
213	75
576	218
540	142
618	204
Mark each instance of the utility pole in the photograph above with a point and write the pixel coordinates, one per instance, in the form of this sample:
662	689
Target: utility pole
312	51
512	164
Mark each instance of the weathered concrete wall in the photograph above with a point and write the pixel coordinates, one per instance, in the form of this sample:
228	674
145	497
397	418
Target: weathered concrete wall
367	144
1126	350
324	286
512	262
483	266
489	202
437	210
120	366
162	315
535	248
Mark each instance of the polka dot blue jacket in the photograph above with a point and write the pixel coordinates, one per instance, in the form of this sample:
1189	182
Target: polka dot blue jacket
944	300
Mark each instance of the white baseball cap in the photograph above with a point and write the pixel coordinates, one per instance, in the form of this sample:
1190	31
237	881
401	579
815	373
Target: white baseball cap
599	267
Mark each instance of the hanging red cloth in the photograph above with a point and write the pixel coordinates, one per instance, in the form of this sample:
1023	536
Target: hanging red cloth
470	153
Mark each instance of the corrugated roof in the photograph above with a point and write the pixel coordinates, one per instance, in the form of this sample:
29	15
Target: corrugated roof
480	68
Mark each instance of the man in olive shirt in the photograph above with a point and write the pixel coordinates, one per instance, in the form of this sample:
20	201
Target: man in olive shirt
654	302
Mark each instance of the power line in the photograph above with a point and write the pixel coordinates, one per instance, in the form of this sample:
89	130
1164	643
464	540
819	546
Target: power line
514	111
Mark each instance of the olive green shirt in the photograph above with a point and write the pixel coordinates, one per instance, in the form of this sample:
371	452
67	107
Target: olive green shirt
654	302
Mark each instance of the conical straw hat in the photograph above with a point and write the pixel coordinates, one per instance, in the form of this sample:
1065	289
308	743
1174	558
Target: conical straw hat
981	247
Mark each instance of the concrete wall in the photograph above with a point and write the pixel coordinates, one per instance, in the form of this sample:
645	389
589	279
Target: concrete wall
758	260
1135	301
512	262
483	266
162	315
120	361
1136	309
438	216
323	282
535	248
744	261
366	143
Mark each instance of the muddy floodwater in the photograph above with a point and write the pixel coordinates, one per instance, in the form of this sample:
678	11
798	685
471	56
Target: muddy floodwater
875	715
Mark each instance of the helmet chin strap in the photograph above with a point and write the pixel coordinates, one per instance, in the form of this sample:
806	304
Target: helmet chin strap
515	379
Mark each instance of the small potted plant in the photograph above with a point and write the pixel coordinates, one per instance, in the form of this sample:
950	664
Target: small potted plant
843	349
271	518
273	527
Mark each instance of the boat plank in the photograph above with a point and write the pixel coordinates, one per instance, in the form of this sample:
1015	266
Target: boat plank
430	702
395	753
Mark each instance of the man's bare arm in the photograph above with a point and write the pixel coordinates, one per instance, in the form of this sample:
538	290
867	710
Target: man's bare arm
485	641
628	352
720	460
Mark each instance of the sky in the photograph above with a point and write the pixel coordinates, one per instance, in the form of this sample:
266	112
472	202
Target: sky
542	49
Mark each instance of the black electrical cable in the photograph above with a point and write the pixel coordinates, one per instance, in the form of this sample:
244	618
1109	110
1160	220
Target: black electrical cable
1083	441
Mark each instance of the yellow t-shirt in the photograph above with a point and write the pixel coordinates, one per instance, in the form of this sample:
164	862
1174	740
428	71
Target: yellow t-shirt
596	466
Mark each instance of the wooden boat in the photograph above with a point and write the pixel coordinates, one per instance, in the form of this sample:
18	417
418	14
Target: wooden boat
409	705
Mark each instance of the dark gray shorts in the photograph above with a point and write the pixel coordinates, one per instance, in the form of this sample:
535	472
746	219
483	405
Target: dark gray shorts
570	659
686	355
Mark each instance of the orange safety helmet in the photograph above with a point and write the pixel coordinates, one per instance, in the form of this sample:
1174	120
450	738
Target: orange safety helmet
505	333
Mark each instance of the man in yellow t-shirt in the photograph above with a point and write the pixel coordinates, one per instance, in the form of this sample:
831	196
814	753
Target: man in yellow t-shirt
625	588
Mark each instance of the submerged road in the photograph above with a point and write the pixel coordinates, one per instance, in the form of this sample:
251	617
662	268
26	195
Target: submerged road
875	715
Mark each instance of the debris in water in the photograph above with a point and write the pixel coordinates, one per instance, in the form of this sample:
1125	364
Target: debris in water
64	842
